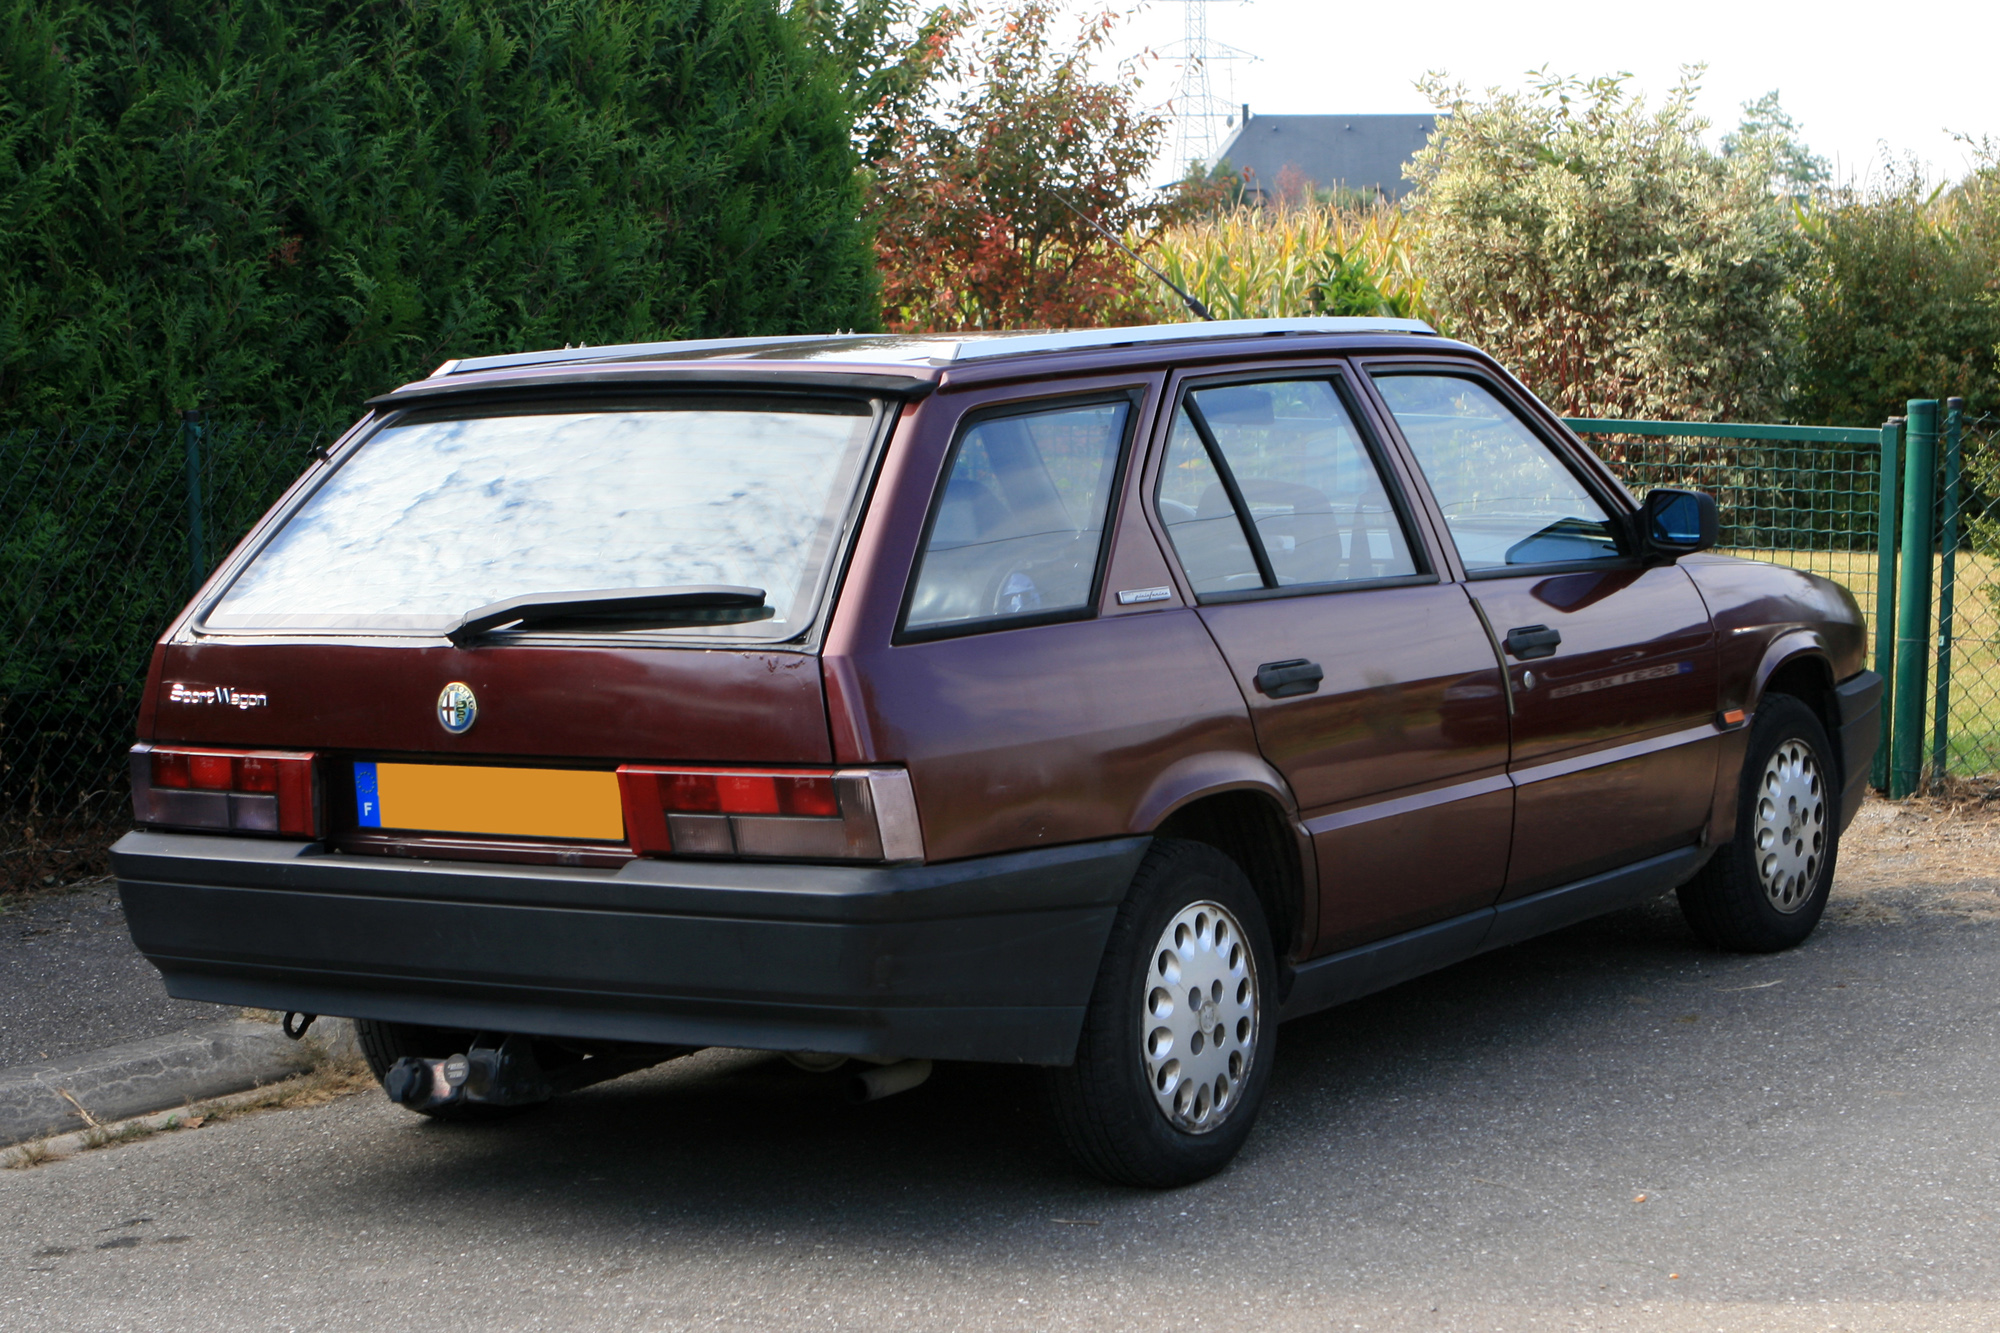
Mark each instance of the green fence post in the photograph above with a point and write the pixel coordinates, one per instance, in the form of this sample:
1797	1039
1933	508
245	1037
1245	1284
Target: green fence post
197	545
1885	587
1954	418
1913	599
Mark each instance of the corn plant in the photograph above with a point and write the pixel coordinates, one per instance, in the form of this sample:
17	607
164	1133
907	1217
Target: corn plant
1290	260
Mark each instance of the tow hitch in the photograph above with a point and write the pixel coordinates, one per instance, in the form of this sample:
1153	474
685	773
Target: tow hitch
506	1074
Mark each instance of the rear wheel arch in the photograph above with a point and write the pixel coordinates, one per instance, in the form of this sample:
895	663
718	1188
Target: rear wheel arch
1253	829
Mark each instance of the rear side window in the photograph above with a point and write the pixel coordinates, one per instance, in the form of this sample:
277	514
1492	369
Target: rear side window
1506	498
1270	486
1201	519
432	518
1018	524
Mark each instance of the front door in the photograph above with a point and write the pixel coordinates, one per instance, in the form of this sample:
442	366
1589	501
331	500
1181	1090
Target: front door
1371	683
1611	662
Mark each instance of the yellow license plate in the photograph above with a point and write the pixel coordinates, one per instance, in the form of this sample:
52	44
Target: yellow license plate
510	802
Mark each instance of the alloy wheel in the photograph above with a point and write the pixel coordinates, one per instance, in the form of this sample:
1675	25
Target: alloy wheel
1791	825
1198	1026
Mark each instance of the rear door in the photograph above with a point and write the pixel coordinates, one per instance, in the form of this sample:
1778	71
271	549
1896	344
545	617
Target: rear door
1371	683
1611	662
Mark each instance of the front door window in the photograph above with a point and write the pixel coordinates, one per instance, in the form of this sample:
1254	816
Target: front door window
1506	499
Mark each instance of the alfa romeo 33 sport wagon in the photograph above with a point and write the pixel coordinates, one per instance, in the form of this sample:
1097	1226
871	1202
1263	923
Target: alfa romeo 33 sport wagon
1092	700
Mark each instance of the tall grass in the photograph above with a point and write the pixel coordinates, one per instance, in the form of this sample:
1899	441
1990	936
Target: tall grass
1290	260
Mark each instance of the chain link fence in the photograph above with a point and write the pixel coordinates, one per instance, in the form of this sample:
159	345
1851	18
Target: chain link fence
104	534
1812	498
1811	501
1963	699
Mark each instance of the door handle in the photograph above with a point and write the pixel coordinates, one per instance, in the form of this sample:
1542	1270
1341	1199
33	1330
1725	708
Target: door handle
1281	680
1528	642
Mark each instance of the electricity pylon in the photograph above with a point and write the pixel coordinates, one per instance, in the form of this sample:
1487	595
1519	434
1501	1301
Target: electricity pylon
1201	117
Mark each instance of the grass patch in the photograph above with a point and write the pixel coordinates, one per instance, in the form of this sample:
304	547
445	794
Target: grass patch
29	1154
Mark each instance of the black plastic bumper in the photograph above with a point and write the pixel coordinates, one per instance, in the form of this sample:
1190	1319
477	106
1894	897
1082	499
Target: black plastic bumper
1860	699
990	959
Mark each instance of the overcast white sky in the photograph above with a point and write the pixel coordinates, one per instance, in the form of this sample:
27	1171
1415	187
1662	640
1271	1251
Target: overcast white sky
1899	77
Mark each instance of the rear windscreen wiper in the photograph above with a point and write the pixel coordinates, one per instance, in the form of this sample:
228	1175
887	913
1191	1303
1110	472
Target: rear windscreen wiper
692	603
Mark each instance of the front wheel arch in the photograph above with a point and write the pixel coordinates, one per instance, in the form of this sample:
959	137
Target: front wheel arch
1733	902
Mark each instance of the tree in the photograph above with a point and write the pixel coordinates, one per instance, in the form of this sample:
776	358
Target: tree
1620	266
985	199
1899	298
279	207
887	53
1767	131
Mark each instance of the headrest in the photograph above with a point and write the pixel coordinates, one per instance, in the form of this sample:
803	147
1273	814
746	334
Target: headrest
1237	405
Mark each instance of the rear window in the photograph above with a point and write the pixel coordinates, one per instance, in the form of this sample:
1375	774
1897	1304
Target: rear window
432	518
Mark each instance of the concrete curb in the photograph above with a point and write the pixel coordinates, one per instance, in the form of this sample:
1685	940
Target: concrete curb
140	1077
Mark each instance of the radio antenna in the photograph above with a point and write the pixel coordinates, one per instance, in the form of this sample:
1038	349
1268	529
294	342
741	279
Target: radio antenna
1200	310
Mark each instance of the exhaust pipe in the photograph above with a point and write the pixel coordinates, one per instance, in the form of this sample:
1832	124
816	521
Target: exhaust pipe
874	1084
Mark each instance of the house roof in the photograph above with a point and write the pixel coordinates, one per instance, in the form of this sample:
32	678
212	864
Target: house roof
1358	152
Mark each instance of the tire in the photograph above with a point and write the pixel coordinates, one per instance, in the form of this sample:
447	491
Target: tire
1766	889
1129	1110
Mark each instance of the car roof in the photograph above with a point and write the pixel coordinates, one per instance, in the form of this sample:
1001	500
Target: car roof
911	365
931	351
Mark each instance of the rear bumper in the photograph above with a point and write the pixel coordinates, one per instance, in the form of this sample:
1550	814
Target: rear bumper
990	959
1860	702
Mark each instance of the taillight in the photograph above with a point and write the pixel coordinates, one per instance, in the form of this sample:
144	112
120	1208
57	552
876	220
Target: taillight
865	814
259	791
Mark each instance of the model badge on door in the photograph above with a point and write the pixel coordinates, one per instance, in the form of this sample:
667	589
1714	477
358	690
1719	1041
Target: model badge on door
458	709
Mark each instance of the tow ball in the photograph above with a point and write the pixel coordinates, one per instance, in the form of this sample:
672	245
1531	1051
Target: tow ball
484	1075
501	1070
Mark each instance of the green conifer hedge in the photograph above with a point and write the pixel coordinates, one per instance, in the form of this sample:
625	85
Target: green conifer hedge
279	207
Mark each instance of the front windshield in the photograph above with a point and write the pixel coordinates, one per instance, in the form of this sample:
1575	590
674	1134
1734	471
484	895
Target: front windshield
431	518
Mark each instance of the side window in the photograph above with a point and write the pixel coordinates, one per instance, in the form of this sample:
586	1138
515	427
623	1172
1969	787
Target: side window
1287	456
1200	517
1506	498
1020	518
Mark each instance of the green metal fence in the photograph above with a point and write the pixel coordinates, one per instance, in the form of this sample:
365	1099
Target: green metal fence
1962	701
1904	515
103	535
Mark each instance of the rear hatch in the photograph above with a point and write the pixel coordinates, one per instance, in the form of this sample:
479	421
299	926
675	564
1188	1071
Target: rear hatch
472	617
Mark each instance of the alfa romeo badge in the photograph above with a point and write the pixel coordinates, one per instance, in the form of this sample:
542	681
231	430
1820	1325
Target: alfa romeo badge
458	708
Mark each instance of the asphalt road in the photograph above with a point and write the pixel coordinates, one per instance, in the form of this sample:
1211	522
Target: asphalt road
1815	1136
71	982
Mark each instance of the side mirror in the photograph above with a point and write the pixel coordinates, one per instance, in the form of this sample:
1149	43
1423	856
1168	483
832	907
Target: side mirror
1677	523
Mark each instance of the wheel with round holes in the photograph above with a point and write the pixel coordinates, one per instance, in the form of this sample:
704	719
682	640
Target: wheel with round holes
1766	889
1176	1047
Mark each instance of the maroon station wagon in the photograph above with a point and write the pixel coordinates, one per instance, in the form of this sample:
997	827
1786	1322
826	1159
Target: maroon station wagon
1093	700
